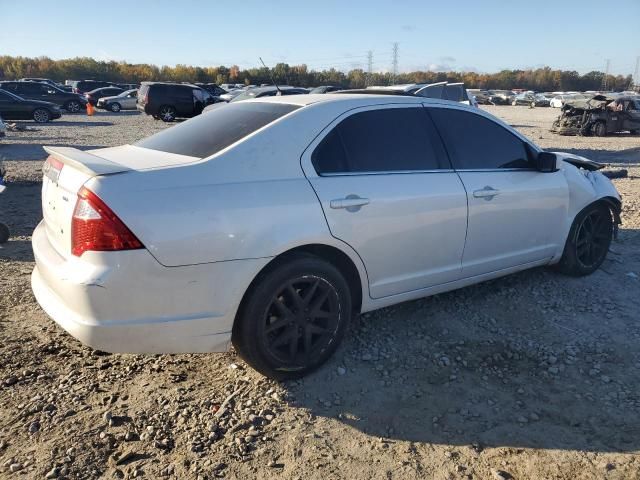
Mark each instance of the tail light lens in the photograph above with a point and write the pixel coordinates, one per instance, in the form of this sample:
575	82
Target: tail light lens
94	227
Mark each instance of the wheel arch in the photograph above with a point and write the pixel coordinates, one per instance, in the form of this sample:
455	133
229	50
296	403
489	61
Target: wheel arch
355	276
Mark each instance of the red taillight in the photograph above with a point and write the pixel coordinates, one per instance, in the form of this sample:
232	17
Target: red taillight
95	227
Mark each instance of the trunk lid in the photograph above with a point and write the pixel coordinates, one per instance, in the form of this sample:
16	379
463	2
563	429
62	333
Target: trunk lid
65	172
68	169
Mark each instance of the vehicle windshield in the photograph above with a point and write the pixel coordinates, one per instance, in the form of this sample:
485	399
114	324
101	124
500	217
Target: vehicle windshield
216	129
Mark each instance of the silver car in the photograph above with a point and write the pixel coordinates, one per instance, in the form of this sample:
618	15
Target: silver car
125	101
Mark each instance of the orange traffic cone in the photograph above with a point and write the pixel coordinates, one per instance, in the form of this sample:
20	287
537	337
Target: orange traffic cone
90	109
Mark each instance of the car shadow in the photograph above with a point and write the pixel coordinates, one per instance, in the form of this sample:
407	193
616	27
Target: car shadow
501	363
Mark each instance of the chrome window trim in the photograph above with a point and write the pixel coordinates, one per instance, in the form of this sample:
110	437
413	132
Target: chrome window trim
384	172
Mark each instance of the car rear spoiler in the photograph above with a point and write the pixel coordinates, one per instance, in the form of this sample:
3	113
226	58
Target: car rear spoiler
84	161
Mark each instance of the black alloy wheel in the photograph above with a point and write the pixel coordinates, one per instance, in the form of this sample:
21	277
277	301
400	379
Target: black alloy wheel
293	317
301	320
593	239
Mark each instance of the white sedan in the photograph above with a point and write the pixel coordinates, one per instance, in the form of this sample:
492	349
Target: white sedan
269	223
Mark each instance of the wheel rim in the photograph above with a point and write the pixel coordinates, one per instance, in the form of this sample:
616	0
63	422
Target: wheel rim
40	116
592	239
301	321
166	113
115	107
73	106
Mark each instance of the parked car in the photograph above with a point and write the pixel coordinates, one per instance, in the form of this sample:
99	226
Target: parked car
13	107
83	86
212	88
93	96
168	101
531	99
127	100
326	89
502	97
71	102
231	94
269	91
455	92
482	97
268	223
48	81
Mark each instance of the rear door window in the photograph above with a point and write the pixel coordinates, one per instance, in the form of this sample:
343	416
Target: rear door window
384	140
477	143
215	130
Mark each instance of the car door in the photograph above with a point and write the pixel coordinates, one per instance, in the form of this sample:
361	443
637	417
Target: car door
32	91
516	213
8	107
130	100
387	189
630	115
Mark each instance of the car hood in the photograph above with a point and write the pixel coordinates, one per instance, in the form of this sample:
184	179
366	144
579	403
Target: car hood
579	161
112	97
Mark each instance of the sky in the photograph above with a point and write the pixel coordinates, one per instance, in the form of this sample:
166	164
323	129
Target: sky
478	35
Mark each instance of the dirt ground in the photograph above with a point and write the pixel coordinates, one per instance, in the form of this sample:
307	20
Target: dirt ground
532	376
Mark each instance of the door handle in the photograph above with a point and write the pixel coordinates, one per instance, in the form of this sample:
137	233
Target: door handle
351	202
487	193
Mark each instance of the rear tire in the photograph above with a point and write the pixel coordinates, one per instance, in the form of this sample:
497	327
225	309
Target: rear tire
167	113
600	129
41	115
588	242
4	233
293	318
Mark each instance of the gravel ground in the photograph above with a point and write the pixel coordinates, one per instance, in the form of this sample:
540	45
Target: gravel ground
532	376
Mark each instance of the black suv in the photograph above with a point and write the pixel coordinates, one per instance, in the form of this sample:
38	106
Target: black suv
83	86
168	101
71	102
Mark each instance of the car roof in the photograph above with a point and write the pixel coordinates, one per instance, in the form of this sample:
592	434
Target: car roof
355	98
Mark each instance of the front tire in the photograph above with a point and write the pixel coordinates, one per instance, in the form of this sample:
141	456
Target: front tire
167	113
588	242
115	107
41	115
293	318
600	129
72	106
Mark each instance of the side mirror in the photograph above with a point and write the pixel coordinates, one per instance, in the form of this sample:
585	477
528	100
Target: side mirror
546	162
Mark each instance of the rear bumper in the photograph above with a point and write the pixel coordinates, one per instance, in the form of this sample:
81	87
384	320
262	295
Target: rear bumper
126	302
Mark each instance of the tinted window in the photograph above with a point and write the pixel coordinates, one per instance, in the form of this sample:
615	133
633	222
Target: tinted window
11	87
475	142
31	89
216	129
383	140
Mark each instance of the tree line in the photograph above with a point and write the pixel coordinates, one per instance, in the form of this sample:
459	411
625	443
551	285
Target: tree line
540	79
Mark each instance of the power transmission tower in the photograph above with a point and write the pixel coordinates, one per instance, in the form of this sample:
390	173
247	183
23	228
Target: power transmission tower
369	67
395	62
635	80
603	86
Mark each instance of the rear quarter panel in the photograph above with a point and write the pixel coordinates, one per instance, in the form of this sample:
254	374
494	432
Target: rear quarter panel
251	200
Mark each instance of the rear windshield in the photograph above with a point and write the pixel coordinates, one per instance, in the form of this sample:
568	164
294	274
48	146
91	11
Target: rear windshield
216	129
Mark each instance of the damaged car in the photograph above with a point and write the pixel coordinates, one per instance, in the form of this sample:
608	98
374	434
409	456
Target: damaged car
270	223
599	115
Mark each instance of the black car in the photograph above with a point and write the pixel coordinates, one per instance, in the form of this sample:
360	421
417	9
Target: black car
83	86
168	101
13	107
212	88
94	95
34	90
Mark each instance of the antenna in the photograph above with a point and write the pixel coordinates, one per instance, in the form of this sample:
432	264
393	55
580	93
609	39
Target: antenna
395	61
370	67
271	75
